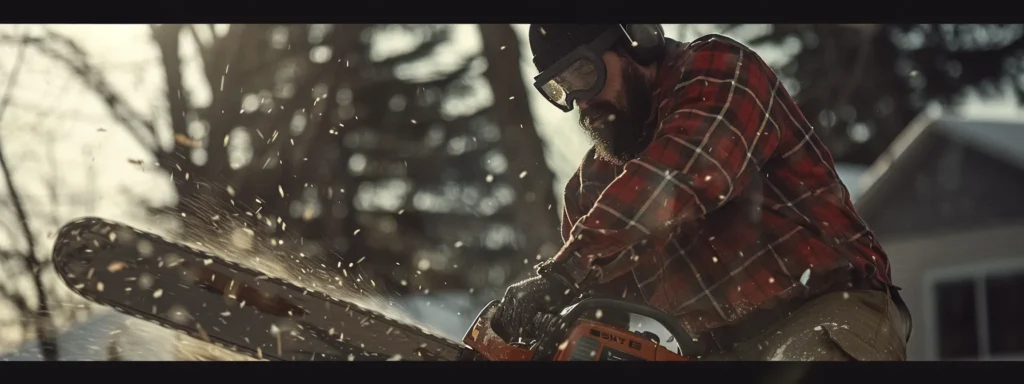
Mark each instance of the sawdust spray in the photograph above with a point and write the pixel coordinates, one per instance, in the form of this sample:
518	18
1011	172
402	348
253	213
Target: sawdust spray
237	238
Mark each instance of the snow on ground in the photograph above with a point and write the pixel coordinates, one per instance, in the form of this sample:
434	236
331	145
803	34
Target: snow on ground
88	340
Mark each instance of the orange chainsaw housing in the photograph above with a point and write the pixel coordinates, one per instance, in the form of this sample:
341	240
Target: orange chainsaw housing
586	341
591	340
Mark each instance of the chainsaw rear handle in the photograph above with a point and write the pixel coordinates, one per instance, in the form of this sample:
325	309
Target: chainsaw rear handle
559	327
484	344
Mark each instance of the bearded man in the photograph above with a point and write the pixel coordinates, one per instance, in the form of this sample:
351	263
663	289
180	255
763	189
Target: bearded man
706	195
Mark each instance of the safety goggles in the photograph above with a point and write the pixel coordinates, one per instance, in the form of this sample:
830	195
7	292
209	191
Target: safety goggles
580	75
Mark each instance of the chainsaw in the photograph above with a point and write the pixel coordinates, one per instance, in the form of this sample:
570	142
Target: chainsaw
217	301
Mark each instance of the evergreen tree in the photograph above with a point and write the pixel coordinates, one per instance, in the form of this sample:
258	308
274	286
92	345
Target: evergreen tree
861	84
402	164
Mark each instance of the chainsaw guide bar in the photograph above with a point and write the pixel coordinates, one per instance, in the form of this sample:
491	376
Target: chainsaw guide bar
208	298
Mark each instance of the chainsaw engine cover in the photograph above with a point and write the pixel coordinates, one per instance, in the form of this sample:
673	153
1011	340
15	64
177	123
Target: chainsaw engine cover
594	341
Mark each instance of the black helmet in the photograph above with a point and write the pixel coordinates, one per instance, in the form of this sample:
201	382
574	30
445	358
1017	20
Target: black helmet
568	56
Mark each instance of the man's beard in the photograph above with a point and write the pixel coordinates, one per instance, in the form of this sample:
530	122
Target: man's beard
621	135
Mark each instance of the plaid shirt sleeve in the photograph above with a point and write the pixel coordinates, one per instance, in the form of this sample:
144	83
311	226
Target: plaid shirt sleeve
714	135
581	191
571	211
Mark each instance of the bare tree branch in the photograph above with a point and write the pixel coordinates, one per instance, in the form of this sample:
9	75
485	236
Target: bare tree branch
16	299
44	322
65	50
15	199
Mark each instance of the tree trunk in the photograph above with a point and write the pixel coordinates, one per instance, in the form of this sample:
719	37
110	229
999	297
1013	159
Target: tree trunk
536	213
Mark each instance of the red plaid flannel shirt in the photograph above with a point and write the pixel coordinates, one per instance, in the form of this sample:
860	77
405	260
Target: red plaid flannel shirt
732	204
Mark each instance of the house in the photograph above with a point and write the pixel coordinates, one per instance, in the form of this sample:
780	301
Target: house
947	204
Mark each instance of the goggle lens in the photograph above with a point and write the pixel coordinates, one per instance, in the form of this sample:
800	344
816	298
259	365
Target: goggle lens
581	75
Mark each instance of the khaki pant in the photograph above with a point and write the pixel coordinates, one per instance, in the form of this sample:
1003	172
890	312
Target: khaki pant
843	326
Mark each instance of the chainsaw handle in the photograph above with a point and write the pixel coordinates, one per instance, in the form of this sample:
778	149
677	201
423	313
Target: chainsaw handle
487	345
548	344
541	320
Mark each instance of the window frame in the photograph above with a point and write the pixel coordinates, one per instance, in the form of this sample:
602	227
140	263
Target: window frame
977	273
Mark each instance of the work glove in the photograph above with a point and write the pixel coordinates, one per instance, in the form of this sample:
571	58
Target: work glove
529	306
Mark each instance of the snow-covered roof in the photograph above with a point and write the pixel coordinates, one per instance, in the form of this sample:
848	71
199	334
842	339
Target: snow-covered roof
1002	140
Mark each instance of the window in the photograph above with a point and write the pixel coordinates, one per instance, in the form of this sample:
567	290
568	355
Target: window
957	320
1005	296
980	317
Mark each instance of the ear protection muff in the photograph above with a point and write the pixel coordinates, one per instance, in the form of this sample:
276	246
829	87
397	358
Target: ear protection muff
645	43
